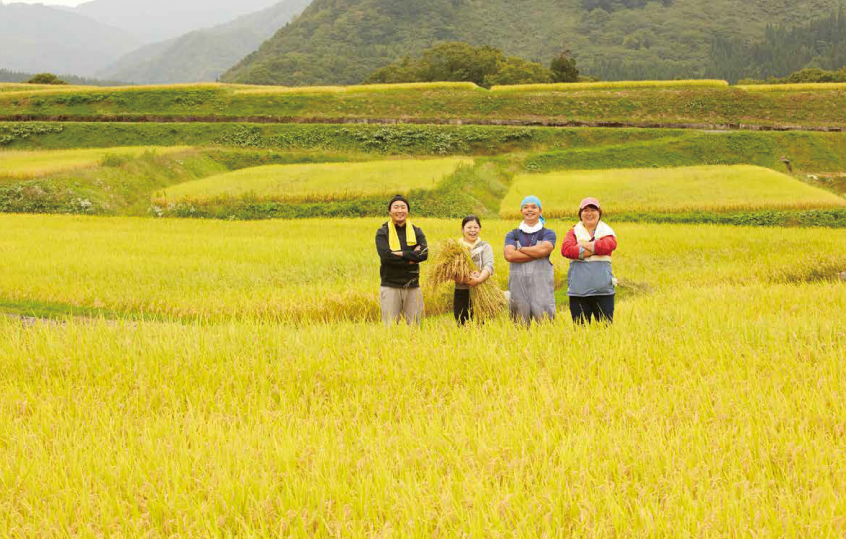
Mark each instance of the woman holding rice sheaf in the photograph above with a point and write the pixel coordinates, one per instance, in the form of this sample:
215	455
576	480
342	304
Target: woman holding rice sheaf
590	283
482	254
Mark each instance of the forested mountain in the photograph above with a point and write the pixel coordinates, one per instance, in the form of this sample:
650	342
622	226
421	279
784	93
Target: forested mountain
819	44
343	41
36	38
202	55
156	20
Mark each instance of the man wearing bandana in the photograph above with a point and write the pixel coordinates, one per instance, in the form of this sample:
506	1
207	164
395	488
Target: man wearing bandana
401	247
531	279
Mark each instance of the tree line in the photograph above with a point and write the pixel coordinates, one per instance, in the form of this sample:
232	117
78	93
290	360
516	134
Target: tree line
485	65
7	75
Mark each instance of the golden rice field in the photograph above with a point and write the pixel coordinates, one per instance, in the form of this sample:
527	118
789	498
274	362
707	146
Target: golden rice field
611	85
320	182
327	270
705	188
714	407
796	87
27	164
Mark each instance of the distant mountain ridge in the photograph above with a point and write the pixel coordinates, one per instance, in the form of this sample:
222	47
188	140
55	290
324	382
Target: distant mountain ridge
37	38
150	21
203	55
343	41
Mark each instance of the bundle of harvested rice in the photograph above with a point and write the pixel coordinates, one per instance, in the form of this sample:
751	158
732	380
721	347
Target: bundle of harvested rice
453	263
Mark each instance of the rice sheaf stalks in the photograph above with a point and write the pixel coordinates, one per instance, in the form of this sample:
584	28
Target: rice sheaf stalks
453	263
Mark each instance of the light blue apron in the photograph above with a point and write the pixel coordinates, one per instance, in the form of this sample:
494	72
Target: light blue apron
532	288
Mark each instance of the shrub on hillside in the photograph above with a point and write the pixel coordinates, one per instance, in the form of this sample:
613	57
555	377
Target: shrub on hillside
563	68
518	71
45	78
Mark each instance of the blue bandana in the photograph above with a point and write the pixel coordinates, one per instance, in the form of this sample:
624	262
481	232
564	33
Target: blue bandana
532	199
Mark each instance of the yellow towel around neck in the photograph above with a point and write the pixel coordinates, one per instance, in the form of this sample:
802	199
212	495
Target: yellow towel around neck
393	238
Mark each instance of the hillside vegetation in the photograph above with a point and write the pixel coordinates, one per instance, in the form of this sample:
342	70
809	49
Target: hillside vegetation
343	41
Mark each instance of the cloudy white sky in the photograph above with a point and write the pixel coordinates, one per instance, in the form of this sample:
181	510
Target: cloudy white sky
47	2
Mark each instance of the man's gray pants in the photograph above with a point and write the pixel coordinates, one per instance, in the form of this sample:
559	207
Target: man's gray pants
401	303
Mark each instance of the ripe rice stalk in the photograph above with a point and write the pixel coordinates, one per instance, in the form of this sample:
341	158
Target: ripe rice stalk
487	301
453	263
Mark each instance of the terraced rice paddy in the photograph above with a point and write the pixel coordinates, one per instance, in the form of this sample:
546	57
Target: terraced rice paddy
321	182
703	188
28	164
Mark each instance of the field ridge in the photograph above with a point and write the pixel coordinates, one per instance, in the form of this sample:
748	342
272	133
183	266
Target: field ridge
540	122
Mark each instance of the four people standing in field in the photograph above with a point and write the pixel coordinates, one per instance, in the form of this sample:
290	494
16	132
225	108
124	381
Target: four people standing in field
531	282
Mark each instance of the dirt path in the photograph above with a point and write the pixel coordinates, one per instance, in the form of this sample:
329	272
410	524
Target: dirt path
533	122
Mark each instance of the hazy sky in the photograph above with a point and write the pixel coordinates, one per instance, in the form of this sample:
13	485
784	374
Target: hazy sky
47	2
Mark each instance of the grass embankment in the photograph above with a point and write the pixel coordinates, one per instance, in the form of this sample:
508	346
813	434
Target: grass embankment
272	270
729	106
669	190
551	148
374	139
318	182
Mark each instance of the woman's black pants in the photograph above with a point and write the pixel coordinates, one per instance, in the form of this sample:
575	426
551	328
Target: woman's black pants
600	308
461	306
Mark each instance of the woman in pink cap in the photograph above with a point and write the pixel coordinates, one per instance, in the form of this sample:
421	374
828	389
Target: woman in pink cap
590	283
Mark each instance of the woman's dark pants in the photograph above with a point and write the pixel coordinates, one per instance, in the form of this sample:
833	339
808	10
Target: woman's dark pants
461	306
584	309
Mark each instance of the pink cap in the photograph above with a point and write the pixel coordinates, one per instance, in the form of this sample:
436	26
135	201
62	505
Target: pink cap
589	201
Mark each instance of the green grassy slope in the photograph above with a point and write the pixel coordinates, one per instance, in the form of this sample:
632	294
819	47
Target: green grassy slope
549	148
